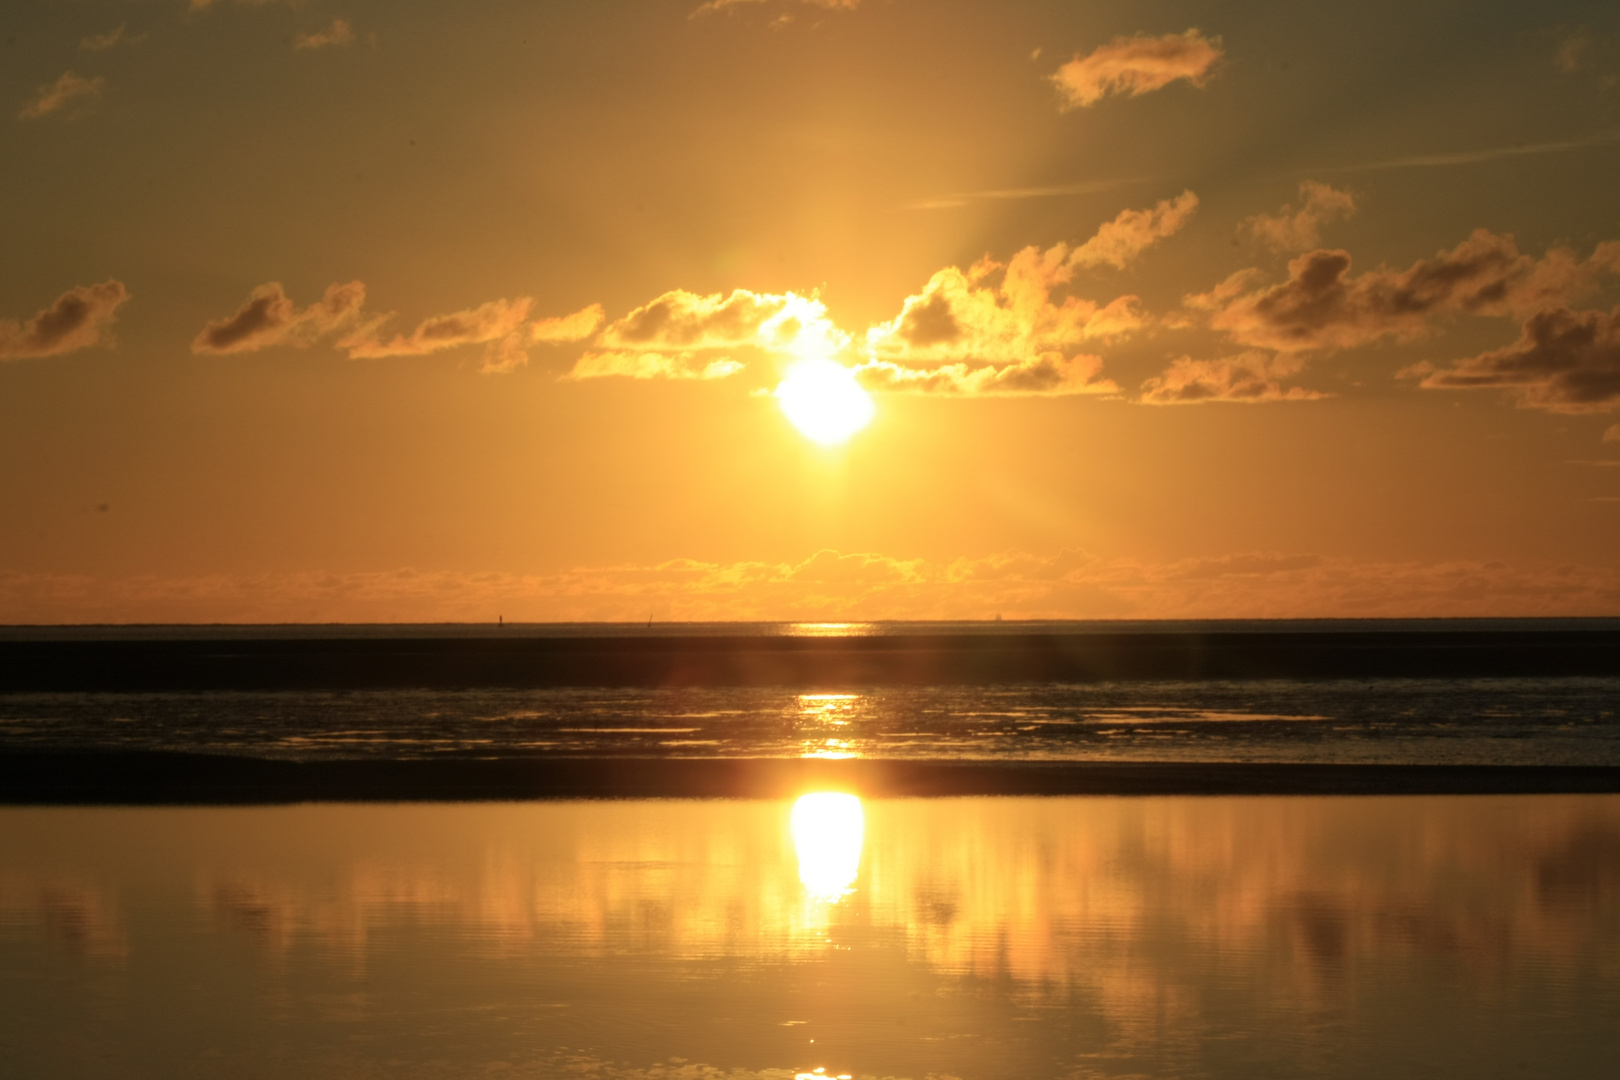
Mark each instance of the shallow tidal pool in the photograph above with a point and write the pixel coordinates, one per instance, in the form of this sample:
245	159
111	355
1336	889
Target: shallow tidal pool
967	937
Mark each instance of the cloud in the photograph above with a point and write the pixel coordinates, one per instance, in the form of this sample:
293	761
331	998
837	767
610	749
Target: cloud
501	326
79	318
1564	361
270	318
713	6
834	585
103	42
653	365
962	198
339	33
1572	52
490	323
1476	157
995	328
1120	241
992	329
1300	230
685	335
1323	306
60	94
1046	374
1136	66
202	5
565	328
1250	378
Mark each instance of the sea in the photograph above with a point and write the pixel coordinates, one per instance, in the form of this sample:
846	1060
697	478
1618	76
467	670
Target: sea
1502	720
820	933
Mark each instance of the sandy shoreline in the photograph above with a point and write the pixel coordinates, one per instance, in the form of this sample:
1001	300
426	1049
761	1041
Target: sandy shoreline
148	778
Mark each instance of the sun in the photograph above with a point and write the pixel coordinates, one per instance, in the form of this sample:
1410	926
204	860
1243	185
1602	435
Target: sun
822	399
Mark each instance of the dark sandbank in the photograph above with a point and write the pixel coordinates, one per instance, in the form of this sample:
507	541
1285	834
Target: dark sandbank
156	778
434	660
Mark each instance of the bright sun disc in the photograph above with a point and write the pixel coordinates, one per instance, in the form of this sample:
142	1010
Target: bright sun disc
822	399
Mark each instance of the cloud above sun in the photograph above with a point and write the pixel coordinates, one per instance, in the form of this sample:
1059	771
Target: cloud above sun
994	328
1023	327
684	335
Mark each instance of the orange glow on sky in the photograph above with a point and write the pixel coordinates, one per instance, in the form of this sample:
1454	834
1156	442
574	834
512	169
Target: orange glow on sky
807	311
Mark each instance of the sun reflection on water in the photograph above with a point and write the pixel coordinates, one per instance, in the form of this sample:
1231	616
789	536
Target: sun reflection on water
820	712
830	629
828	829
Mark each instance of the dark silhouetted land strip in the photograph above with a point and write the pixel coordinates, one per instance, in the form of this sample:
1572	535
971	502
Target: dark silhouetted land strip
146	778
719	660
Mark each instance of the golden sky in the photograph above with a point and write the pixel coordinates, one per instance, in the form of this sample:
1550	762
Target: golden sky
335	310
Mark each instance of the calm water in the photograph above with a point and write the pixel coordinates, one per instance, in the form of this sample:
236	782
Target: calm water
969	938
1483	721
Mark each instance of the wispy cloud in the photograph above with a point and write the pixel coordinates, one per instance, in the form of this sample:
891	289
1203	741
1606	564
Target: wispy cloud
1572	51
837	585
501	326
1120	241
1135	66
713	6
1476	157
487	324
1045	374
1250	378
339	33
112	38
80	318
565	328
962	198
1300	229
65	91
270	318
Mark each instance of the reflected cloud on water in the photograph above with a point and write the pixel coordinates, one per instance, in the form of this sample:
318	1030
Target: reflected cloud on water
975	937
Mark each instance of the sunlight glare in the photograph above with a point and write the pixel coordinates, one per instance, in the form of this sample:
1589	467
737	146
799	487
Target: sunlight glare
828	828
822	399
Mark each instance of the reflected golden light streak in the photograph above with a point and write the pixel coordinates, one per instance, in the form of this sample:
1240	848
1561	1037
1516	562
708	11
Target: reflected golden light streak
828	829
831	629
827	711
